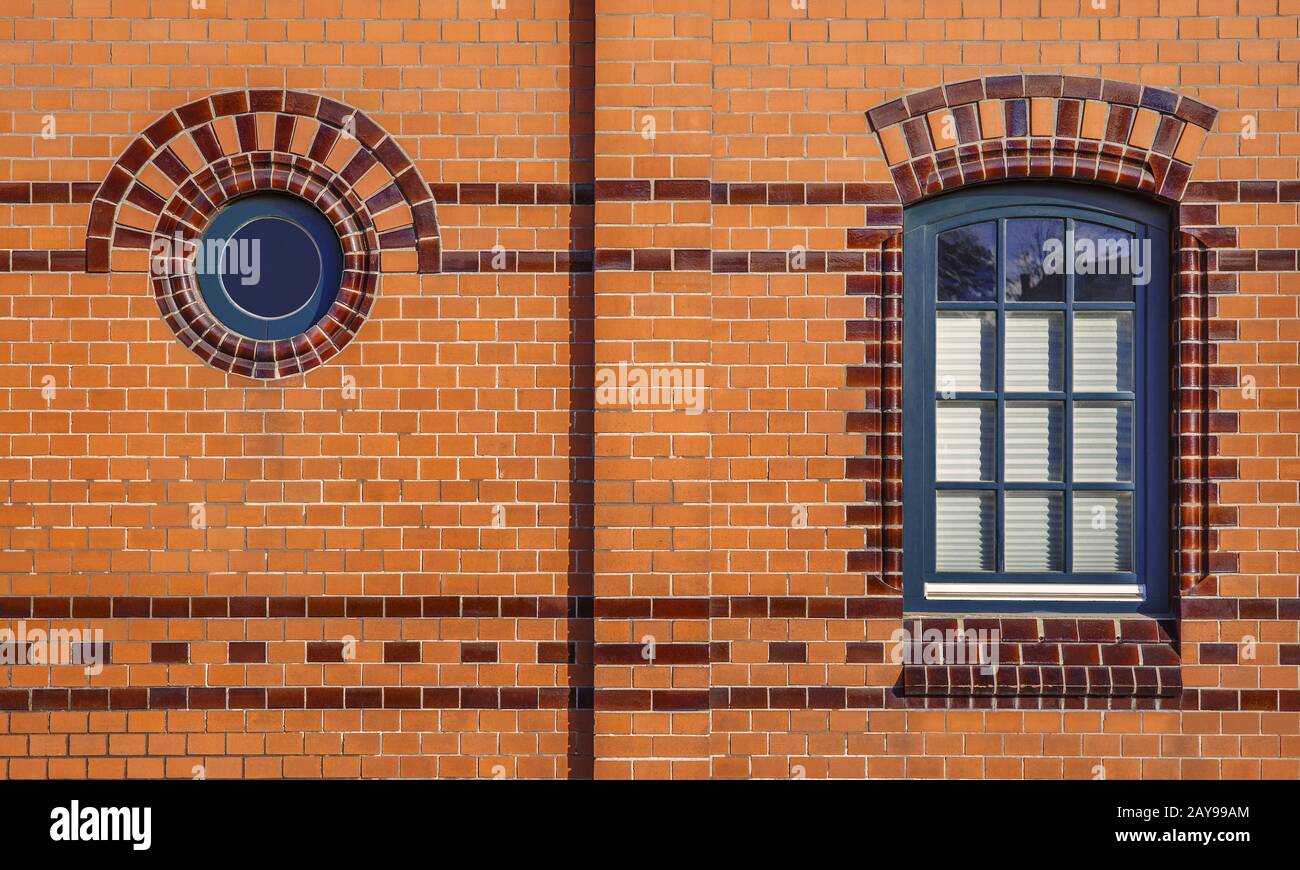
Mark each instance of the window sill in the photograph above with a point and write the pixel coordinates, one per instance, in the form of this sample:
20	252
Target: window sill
1122	656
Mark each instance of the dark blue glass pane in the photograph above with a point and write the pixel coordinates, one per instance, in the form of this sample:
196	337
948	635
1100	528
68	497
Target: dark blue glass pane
967	264
1036	260
1107	263
273	266
270	267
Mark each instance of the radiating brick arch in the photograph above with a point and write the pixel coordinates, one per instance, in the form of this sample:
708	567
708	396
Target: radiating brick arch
1041	126
178	173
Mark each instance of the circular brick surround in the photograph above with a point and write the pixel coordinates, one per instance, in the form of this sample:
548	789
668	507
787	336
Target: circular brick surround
1072	128
176	176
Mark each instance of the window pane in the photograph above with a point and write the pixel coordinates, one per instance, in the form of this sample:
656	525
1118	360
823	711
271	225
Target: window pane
963	444
1035	531
1105	263
1103	441
1035	270
964	530
1103	351
967	268
1034	341
1103	532
964	346
1033	441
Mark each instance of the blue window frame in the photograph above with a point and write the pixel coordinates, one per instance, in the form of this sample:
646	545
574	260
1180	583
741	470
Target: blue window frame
1036	386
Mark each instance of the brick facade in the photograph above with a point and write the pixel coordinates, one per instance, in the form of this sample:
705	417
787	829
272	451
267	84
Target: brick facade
417	541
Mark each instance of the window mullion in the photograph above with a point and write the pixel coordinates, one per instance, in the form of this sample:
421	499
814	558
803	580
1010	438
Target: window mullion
1067	435
1000	441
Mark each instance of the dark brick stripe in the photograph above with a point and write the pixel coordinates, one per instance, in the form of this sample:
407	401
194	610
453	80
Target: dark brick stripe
199	698
719	193
659	260
859	698
43	261
566	262
653	608
290	606
309	698
1279	260
1134	630
653	260
176	652
783	261
800	607
1083	655
463	193
802	698
881	194
580	193
52	192
19	653
660	700
1242	191
1131	629
802	193
510	193
677	260
654	190
395	652
664	654
868	698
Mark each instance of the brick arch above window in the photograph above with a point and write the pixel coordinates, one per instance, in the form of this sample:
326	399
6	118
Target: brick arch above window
1078	128
179	173
218	140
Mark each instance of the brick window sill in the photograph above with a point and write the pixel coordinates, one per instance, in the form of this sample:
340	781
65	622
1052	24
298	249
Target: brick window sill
1054	656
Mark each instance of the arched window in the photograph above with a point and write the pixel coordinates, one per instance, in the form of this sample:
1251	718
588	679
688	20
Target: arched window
1036	401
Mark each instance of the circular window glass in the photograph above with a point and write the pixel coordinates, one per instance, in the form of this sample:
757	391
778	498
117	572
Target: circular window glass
270	266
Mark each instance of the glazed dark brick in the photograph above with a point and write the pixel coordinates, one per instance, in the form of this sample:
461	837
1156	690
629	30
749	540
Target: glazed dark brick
324	651
247	652
787	652
402	651
478	652
169	653
1217	653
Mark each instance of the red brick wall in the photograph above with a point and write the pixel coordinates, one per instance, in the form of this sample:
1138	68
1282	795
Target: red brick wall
540	582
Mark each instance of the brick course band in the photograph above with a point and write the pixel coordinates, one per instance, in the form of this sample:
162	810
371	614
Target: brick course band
174	178
286	606
43	261
200	698
787	698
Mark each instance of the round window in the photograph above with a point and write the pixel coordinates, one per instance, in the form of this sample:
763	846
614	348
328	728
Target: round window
271	266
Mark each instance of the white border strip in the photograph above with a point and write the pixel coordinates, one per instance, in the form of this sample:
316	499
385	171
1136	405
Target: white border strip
1034	591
